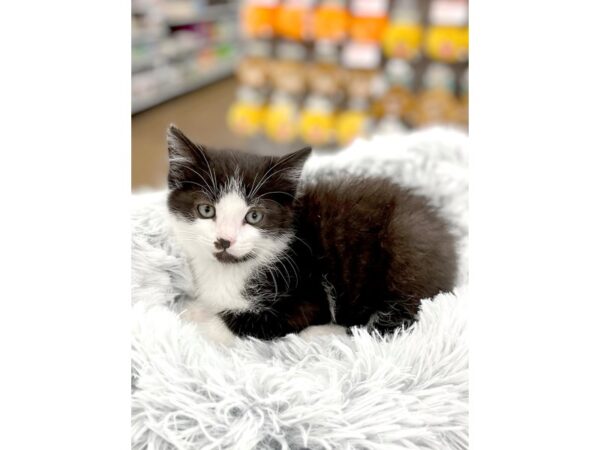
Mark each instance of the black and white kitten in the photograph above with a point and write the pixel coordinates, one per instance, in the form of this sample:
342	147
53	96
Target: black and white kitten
272	256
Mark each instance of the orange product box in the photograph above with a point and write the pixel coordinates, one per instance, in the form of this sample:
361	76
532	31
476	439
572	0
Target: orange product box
367	29
369	19
330	22
258	18
293	20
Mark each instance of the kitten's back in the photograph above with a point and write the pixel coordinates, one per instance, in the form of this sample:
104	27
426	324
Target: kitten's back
379	246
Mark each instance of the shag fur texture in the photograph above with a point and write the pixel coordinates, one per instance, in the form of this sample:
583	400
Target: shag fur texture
406	391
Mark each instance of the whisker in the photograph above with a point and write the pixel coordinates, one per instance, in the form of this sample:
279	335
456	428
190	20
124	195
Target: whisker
276	192
185	166
303	242
267	178
282	160
213	178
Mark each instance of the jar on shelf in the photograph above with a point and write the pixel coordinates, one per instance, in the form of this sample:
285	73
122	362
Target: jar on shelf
403	35
355	120
318	115
288	78
436	104
246	115
396	103
447	38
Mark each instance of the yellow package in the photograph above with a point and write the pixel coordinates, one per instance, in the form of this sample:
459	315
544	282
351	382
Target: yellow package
447	43
349	125
280	121
317	126
245	118
402	40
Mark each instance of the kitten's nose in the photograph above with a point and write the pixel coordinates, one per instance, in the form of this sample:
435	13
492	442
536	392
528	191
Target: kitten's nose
222	244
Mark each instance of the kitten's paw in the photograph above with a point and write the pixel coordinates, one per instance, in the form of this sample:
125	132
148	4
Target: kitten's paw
195	312
215	330
322	330
209	325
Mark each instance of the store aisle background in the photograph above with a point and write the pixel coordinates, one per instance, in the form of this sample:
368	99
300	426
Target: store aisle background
148	130
185	54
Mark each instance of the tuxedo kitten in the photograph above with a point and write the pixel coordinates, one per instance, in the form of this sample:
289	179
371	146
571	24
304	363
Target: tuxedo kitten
271	255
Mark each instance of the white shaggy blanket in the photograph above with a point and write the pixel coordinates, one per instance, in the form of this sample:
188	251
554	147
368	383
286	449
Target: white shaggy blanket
407	391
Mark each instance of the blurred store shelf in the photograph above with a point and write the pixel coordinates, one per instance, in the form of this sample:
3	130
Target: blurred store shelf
204	14
179	46
142	103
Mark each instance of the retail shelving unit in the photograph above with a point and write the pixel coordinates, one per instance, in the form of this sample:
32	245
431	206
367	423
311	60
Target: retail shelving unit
179	46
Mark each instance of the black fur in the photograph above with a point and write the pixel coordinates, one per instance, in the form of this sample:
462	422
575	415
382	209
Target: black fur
377	247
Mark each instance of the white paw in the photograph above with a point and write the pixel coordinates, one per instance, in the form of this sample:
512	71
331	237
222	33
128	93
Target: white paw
208	324
215	330
322	330
194	311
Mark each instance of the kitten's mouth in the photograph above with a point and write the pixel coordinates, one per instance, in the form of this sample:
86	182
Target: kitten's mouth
228	258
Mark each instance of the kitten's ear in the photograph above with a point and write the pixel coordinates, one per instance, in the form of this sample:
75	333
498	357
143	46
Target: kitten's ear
286	171
179	144
294	162
184	155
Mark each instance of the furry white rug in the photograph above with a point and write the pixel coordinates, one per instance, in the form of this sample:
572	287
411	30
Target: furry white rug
405	391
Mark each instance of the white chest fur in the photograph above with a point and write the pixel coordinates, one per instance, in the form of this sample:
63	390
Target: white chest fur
218	287
221	286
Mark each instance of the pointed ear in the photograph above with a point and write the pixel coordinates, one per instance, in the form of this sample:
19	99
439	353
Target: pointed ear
179	144
294	162
185	158
284	173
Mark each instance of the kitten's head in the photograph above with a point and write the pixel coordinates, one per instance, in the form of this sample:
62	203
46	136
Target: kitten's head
230	206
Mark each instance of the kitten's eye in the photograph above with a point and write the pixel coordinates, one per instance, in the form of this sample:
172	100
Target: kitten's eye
253	217
206	211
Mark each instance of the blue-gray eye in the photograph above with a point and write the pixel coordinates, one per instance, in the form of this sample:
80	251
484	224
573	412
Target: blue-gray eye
206	211
253	217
